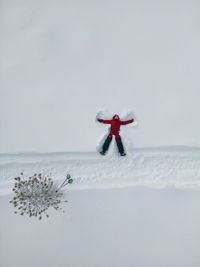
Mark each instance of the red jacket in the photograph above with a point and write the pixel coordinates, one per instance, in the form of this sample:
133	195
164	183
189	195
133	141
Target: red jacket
115	125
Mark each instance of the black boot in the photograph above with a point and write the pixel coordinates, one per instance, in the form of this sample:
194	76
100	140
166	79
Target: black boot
106	145
120	146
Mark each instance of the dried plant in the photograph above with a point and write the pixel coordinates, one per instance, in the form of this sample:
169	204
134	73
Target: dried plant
33	196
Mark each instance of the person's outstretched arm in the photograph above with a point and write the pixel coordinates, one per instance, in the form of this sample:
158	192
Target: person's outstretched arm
126	122
104	121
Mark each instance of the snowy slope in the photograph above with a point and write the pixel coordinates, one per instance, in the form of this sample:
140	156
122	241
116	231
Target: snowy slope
158	167
63	60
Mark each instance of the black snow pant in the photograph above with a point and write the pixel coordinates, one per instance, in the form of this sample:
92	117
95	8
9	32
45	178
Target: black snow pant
118	141
119	144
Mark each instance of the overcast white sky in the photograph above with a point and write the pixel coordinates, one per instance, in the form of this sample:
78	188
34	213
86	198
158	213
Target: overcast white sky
62	61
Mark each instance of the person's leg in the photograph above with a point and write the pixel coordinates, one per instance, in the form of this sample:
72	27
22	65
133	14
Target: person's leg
106	144
120	145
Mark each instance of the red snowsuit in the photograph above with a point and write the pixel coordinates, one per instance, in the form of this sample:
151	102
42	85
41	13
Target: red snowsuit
115	125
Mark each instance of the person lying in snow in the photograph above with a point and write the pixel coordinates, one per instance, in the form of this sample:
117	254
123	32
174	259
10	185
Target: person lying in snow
114	130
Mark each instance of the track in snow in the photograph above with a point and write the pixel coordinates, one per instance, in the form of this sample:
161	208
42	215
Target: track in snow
161	167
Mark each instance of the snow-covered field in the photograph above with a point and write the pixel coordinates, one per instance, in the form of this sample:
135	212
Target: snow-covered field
60	62
142	210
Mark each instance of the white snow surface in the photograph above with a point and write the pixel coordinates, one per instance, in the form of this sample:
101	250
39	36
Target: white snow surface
158	167
63	60
141	210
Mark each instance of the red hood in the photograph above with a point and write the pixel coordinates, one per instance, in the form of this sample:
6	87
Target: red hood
114	117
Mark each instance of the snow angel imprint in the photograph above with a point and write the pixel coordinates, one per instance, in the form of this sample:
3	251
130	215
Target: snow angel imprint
115	129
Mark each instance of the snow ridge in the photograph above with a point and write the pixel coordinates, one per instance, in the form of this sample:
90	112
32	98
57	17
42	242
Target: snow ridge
177	167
